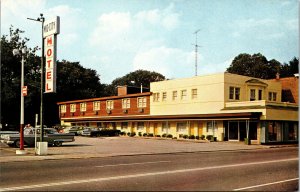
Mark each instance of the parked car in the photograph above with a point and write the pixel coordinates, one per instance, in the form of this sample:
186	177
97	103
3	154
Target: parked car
97	132
76	130
50	135
8	132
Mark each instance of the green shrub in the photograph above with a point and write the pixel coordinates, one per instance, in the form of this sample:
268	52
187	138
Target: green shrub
157	135
174	137
145	135
128	134
132	134
123	133
180	135
164	135
169	136
150	135
202	137
197	137
192	137
185	136
209	137
140	134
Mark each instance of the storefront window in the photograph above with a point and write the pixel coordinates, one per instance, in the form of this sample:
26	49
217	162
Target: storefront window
292	131
234	130
274	131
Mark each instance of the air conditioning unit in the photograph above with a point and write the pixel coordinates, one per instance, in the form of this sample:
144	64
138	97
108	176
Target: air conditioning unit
82	113
125	111
96	112
141	110
72	114
108	111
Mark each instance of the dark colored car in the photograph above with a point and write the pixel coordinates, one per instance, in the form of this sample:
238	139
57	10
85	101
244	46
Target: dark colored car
97	132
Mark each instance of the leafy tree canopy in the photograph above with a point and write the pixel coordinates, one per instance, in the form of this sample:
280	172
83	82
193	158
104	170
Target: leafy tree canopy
258	66
135	78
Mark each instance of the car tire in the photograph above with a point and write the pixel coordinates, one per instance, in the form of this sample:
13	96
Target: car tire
57	143
17	143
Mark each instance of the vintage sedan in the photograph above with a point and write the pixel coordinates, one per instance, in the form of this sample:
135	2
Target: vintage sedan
97	132
50	135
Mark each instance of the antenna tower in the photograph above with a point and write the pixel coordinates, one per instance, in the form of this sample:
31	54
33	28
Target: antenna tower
196	51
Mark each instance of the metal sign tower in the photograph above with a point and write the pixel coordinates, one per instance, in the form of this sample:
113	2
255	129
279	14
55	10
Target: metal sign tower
196	51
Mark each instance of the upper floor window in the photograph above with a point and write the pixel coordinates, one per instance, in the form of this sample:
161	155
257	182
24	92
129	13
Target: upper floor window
142	102
174	96
183	94
73	108
96	105
63	108
125	103
82	106
109	104
164	96
272	96
234	93
252	95
194	93
260	92
155	97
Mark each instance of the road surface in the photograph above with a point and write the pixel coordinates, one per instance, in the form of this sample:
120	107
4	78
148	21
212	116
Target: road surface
250	170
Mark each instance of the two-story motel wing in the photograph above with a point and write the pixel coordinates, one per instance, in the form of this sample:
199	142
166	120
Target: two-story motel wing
226	106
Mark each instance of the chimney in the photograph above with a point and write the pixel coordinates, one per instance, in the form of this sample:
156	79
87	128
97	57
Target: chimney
277	76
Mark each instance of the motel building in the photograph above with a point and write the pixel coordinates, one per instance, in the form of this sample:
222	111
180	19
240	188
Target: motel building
227	106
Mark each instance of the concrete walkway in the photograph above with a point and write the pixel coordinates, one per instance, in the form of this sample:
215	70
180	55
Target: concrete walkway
86	147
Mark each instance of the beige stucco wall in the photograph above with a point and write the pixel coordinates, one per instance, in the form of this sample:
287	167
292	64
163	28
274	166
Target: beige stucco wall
239	81
210	95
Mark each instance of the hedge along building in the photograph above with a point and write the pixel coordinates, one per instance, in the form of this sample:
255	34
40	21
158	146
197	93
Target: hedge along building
226	106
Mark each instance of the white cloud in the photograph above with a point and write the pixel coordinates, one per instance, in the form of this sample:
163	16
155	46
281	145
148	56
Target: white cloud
68	17
263	29
170	62
215	67
165	18
129	38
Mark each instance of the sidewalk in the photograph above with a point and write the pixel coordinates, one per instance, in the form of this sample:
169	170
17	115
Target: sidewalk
85	147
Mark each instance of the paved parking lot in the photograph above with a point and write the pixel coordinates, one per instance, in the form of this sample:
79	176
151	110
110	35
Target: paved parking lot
86	147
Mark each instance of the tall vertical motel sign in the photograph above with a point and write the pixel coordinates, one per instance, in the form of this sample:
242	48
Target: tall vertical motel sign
50	30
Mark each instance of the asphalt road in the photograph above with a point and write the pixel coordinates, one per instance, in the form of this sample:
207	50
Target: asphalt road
253	170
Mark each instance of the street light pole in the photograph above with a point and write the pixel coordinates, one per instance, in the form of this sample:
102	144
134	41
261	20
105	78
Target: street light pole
17	52
42	20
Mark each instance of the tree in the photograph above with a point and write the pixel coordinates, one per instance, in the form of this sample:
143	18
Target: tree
11	74
73	82
255	65
288	70
135	78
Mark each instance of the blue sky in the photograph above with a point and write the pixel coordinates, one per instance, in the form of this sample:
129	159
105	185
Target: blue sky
115	37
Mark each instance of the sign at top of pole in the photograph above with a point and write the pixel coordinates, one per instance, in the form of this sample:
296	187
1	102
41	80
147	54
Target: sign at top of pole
51	27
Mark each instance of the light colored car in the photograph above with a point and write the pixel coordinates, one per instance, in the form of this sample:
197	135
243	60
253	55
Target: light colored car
87	131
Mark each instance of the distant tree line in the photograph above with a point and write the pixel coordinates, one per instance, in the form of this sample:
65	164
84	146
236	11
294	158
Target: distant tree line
75	82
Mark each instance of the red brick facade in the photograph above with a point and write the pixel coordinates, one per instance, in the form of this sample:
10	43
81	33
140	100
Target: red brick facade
290	88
